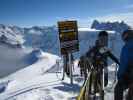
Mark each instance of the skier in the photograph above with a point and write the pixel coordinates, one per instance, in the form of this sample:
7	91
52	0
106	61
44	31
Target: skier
125	71
81	65
84	65
99	53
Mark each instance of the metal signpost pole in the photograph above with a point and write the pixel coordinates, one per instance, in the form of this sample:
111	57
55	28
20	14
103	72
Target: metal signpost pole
70	67
68	36
63	68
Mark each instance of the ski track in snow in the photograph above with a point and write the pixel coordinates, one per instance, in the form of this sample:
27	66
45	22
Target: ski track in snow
53	81
44	85
30	88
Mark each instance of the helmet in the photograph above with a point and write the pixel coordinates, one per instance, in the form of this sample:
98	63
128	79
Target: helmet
127	35
97	42
102	33
103	38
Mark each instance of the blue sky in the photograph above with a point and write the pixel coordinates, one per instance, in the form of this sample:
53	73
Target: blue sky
48	12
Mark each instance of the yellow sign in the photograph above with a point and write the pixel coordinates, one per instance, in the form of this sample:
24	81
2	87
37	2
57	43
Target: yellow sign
68	36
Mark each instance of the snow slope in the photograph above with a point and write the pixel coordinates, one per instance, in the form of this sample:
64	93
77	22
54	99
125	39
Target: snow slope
12	59
38	82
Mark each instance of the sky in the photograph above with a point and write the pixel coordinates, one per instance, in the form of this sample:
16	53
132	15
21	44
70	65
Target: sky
47	12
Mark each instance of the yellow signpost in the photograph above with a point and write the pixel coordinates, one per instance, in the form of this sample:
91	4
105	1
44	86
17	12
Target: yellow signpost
68	36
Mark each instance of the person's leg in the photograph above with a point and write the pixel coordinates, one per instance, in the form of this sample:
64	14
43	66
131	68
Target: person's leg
81	71
67	70
98	82
85	74
129	77
119	89
129	95
105	78
90	82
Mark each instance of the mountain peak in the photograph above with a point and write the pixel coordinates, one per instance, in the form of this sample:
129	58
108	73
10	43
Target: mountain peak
110	26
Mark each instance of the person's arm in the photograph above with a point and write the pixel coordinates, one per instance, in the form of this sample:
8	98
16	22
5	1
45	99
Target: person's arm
123	62
113	57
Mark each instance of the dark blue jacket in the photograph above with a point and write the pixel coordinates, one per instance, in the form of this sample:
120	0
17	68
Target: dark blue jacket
125	57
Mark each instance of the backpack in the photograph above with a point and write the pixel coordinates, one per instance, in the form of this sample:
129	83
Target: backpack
97	56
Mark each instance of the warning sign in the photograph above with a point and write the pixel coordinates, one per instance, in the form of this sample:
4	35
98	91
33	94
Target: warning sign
68	36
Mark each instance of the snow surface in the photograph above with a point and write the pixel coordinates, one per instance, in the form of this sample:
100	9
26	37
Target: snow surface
38	82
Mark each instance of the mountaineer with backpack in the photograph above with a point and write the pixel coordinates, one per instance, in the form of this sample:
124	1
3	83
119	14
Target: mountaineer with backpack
84	65
99	54
125	71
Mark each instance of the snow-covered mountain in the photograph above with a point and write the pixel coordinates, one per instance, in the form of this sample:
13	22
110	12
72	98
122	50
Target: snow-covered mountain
45	38
110	26
11	35
36	37
16	45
